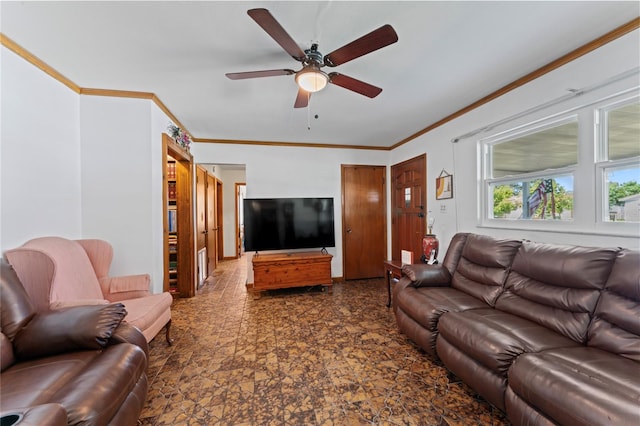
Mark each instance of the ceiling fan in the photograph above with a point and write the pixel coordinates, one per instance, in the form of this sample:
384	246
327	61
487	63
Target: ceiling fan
311	78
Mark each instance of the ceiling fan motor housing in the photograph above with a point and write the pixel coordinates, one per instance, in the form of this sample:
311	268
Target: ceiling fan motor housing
313	56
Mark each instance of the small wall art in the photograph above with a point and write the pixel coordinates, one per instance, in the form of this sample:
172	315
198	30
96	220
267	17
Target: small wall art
444	185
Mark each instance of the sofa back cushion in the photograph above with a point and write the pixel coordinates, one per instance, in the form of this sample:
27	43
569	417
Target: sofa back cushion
616	325
483	266
557	286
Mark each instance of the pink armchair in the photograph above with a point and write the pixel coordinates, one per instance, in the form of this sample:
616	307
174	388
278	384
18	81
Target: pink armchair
57	272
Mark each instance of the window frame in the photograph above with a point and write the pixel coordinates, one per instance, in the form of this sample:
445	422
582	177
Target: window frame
486	166
601	160
588	174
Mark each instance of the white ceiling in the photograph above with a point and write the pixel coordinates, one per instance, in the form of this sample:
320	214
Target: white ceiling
449	54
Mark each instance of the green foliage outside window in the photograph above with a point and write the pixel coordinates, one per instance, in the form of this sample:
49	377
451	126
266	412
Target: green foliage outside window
618	191
508	198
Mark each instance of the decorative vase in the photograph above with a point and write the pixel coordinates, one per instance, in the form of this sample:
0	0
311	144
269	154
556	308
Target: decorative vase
430	245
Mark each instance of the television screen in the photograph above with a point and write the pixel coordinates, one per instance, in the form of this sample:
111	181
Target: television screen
288	223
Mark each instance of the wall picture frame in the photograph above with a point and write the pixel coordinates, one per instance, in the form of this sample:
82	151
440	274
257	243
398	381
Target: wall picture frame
444	186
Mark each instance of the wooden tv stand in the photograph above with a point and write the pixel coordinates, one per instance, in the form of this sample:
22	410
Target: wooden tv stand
285	270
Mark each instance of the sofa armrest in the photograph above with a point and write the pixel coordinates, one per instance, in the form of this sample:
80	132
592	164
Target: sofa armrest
71	329
37	415
127	333
116	289
427	275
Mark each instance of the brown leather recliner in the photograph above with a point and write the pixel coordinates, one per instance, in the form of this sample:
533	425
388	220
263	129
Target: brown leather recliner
77	365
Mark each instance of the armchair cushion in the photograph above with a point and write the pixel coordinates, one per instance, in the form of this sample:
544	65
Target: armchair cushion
64	330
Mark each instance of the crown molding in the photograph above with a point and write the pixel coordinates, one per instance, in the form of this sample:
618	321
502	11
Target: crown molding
37	62
616	33
612	35
290	144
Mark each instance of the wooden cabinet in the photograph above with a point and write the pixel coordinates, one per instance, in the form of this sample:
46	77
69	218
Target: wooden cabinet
284	270
179	263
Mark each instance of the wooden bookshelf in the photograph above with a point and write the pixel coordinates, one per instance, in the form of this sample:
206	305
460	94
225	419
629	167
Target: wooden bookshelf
179	263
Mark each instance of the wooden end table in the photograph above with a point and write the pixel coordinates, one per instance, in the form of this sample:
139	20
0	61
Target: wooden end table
392	270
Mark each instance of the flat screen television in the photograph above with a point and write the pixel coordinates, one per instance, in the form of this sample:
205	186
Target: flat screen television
288	223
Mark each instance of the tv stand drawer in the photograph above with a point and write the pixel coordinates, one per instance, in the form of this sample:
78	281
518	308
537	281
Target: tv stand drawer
284	270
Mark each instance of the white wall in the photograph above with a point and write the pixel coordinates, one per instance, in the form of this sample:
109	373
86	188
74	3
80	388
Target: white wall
273	171
122	181
80	167
40	155
461	158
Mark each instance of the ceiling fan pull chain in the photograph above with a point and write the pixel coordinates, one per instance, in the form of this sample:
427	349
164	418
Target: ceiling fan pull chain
308	111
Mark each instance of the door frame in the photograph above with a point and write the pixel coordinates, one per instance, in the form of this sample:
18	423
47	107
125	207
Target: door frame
239	230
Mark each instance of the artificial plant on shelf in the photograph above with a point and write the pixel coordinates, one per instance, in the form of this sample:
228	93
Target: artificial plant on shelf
181	137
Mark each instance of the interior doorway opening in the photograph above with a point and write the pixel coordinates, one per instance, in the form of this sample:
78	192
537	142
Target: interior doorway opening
223	218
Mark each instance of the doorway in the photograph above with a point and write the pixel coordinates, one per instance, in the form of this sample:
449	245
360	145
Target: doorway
408	206
364	221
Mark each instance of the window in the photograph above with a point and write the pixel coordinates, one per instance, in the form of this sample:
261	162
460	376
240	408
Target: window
576	170
619	161
530	175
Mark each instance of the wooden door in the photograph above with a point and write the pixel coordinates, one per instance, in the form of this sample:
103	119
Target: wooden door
364	224
201	207
212	225
408	207
219	221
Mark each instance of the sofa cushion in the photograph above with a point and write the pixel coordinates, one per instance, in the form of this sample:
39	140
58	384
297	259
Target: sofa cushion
495	338
91	385
557	286
483	267
35	382
99	391
65	330
579	385
616	325
426	304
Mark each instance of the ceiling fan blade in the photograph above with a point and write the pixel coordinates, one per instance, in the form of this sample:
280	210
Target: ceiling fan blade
354	85
268	23
376	39
302	100
256	74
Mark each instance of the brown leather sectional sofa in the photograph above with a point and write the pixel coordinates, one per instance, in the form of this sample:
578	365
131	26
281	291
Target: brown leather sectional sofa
78	365
548	333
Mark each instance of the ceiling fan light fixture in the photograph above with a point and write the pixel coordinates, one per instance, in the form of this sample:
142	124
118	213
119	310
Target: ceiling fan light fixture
312	79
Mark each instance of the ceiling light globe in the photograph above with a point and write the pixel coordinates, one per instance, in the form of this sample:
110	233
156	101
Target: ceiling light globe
312	80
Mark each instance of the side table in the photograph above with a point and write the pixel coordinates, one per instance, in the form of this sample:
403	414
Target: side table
392	270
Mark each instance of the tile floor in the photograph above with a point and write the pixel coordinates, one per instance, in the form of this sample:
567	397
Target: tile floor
298	357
